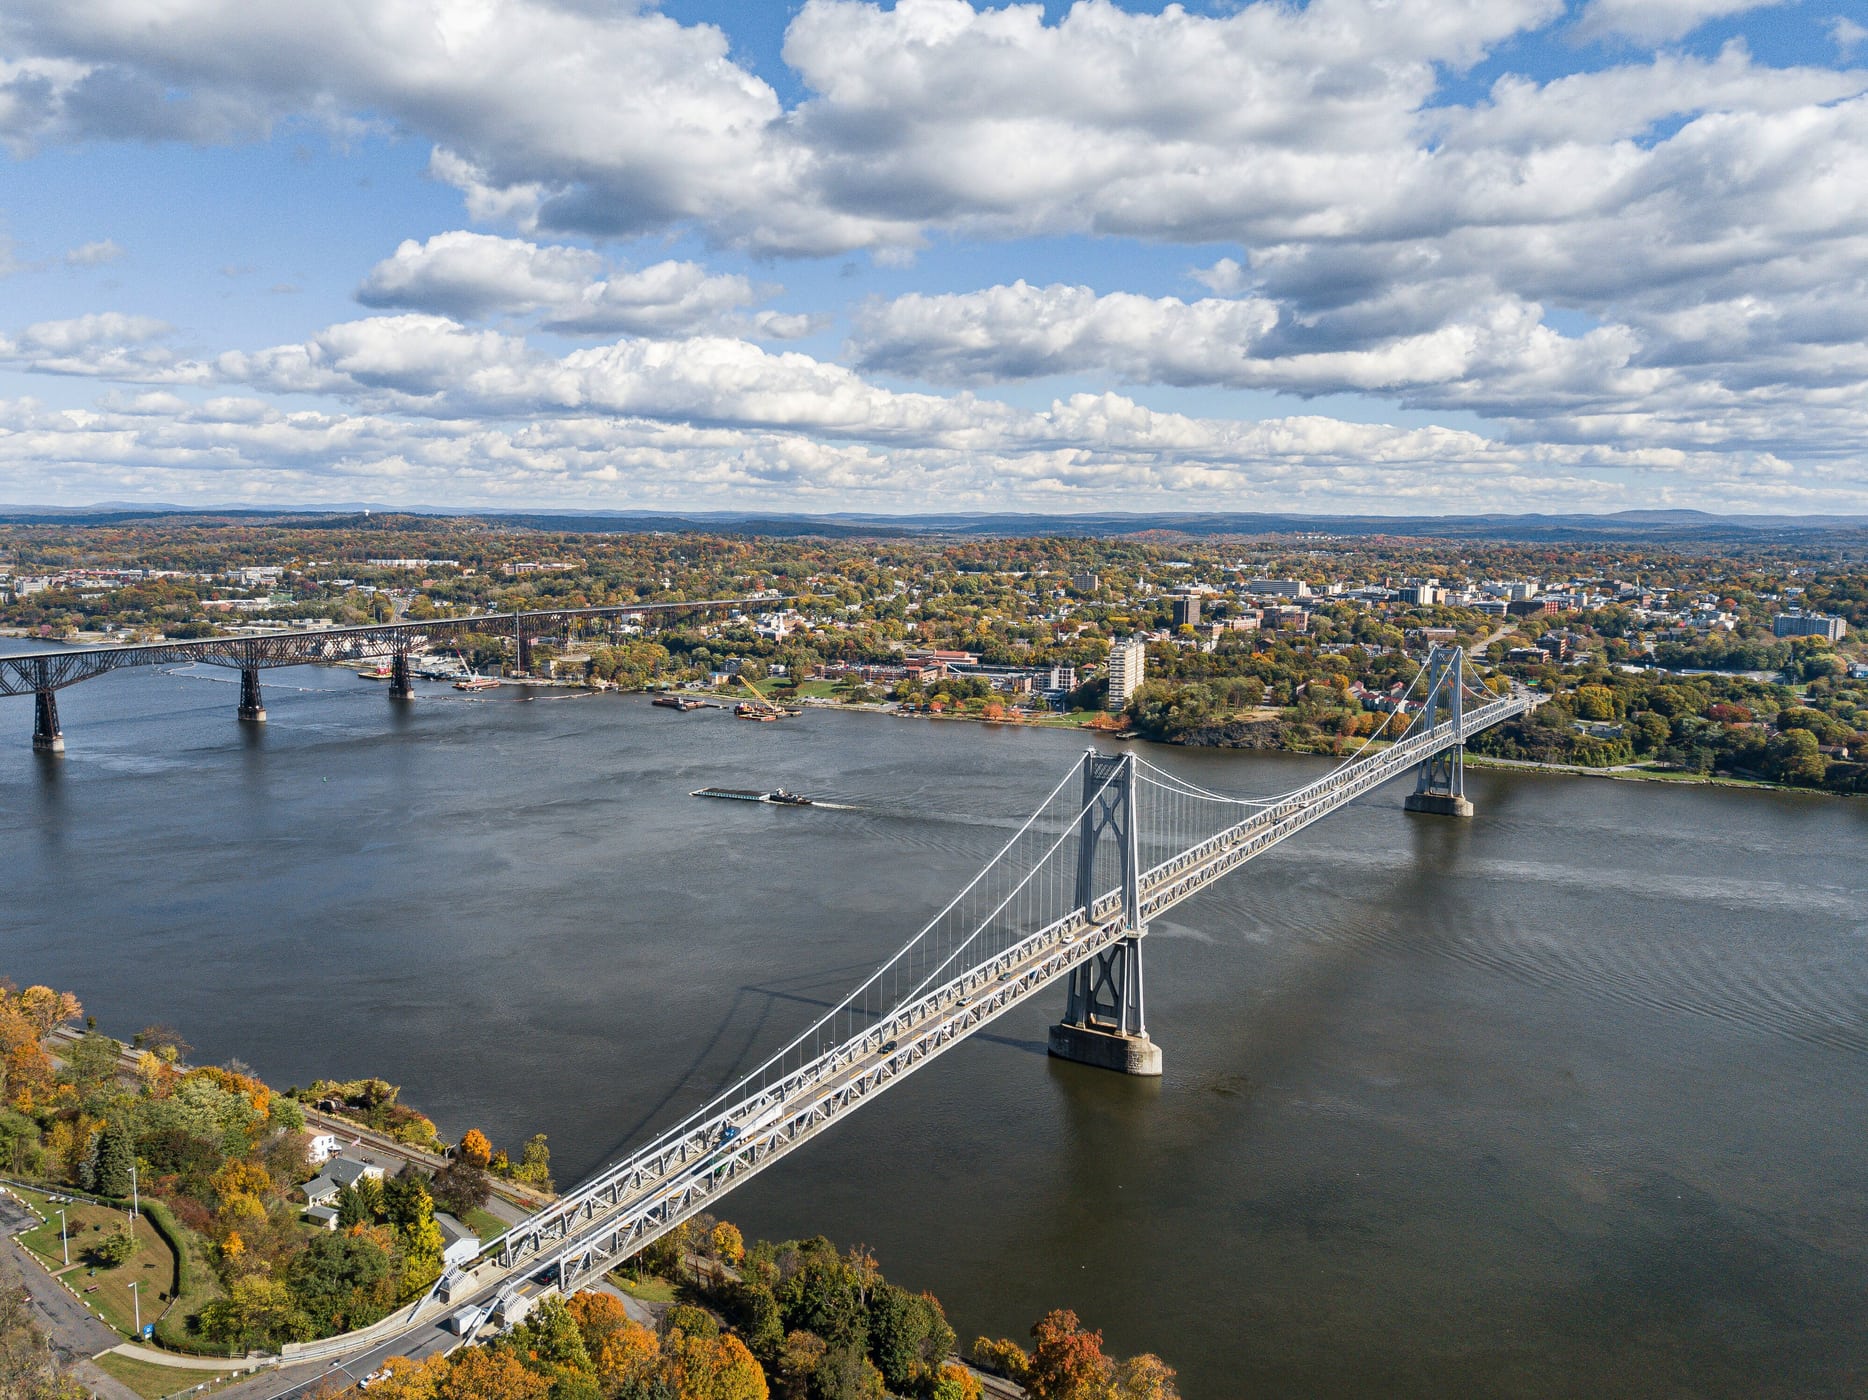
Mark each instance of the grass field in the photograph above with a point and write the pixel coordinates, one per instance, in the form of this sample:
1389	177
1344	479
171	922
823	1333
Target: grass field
107	1291
485	1224
650	1290
152	1381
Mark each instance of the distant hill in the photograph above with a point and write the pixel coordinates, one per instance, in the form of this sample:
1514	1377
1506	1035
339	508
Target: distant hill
1677	527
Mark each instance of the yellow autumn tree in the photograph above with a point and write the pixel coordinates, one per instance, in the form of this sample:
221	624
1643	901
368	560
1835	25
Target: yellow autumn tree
711	1368
728	1243
403	1379
1146	1377
488	1373
238	1177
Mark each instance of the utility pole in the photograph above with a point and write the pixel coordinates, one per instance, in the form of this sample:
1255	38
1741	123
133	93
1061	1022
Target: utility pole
136	1301
64	1243
136	1205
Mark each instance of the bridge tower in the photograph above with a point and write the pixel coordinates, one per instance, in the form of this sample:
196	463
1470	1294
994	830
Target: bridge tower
1103	1021
47	737
252	704
1440	789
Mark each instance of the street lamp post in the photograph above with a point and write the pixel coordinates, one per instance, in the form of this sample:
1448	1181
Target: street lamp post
136	1204
64	1242
136	1301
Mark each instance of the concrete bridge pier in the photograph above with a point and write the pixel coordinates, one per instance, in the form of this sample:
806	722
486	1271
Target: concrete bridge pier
1103	1023
47	737
252	703
1440	790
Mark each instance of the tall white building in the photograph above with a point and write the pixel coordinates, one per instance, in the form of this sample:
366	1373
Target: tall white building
1126	659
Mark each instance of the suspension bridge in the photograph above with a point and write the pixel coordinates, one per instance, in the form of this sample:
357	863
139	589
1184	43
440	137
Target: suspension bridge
43	674
1068	899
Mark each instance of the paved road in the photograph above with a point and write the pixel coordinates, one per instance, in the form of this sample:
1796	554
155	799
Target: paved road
75	1334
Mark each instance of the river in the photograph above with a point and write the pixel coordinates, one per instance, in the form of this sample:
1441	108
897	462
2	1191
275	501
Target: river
1569	1099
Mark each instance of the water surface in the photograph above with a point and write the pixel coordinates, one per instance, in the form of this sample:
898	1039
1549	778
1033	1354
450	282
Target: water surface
1565	1100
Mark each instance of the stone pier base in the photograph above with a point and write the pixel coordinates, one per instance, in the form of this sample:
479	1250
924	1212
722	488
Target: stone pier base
1125	1054
1437	804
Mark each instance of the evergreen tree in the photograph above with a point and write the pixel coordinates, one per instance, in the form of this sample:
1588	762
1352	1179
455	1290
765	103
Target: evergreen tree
116	1159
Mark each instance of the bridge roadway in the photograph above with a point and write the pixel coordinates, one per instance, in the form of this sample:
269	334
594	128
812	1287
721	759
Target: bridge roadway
26	673
633	1203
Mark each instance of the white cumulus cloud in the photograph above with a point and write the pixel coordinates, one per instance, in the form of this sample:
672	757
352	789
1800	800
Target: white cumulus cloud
94	254
476	275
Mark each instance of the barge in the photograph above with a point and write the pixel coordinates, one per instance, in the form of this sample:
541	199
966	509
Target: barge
778	797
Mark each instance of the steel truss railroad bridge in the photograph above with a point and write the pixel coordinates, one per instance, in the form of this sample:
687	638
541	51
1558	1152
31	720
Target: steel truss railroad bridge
43	674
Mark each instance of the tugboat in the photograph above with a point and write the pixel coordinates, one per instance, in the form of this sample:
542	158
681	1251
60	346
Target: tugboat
678	702
788	799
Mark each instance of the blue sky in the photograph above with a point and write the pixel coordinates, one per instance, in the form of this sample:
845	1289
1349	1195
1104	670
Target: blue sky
1360	255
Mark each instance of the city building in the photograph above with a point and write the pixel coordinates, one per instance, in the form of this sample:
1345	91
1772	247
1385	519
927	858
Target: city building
1086	582
1127	660
1279	587
1806	624
1063	678
1186	609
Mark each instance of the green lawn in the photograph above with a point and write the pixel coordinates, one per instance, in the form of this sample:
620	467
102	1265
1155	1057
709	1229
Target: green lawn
485	1224
109	1290
817	690
152	1381
650	1290
1076	719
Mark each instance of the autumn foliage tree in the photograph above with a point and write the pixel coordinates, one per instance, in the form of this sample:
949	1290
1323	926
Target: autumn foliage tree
474	1149
1066	1362
27	1074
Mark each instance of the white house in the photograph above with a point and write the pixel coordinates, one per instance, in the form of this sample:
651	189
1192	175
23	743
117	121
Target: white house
324	1146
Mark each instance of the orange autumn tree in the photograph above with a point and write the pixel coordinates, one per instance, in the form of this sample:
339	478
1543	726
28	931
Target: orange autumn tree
1067	1361
475	1150
27	1074
623	1352
490	1373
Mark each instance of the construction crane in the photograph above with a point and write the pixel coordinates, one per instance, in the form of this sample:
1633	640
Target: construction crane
760	708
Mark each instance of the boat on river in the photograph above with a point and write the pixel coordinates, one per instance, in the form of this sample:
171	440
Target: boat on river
777	797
